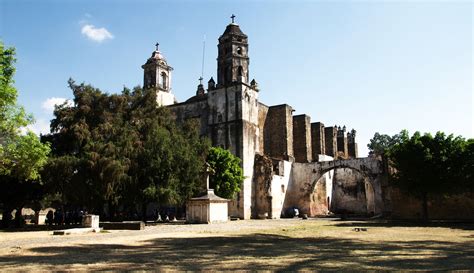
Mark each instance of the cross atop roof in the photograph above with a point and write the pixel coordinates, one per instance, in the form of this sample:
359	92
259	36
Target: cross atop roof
157	44
232	17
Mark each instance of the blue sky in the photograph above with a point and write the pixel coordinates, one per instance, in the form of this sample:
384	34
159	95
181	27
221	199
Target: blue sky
376	66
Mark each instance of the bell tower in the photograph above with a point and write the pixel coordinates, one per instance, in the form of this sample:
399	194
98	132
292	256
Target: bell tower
232	58
157	75
234	111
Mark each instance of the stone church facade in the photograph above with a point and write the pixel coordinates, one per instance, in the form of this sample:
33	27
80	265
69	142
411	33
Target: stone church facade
269	140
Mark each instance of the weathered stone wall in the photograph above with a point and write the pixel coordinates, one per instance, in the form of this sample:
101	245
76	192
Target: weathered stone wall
302	138
262	180
349	192
280	181
278	132
321	197
456	207
269	186
198	110
317	140
305	177
262	117
352	150
330	136
229	116
342	144
300	188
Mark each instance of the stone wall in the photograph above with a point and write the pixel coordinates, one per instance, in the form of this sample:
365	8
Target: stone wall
299	189
262	116
352	150
330	135
280	182
269	187
317	140
278	132
342	144
349	192
302	138
262	180
197	109
456	207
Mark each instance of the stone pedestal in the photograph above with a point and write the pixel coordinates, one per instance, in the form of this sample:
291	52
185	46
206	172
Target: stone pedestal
207	209
90	221
40	218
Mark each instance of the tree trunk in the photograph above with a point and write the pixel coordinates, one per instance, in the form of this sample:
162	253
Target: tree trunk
7	217
144	205
112	211
424	212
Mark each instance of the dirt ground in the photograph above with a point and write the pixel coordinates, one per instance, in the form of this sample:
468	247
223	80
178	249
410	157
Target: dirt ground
287	245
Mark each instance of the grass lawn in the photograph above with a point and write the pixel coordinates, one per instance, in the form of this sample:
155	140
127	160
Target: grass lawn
287	245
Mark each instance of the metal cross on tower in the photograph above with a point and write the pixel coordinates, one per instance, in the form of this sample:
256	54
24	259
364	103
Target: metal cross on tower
232	17
157	44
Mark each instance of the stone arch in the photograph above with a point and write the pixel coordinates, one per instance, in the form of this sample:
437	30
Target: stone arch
305	176
343	190
324	189
369	168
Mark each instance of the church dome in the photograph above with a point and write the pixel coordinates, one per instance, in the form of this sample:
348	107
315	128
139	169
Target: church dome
233	29
156	57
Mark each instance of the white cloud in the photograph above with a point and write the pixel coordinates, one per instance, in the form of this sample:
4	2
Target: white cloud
96	34
40	126
48	104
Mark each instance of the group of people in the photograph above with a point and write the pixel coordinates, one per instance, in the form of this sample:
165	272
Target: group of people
60	217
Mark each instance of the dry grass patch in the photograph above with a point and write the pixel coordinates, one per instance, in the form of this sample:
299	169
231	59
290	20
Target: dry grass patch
257	245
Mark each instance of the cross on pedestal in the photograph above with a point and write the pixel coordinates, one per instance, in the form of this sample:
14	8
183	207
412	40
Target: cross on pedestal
232	17
157	44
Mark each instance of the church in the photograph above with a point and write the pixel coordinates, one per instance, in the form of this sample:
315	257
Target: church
269	140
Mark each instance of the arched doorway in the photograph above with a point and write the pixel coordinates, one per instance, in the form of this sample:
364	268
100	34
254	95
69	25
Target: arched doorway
321	196
342	191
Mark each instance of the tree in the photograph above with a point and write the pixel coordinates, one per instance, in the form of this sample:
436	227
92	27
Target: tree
22	155
469	164
122	150
426	166
381	143
86	139
228	175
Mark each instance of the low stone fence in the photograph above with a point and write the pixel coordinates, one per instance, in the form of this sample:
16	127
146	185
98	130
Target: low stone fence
128	225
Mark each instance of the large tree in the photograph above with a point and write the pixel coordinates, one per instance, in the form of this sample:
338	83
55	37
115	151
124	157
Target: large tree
122	150
426	166
22	155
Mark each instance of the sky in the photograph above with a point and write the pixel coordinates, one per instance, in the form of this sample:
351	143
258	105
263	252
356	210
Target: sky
375	66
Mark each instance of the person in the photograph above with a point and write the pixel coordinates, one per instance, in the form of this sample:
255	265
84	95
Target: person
49	218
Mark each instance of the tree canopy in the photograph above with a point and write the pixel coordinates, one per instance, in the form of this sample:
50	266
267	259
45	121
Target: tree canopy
426	166
122	150
227	173
22	155
381	143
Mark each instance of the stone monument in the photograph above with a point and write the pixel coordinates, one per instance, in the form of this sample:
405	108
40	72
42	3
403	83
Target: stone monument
208	208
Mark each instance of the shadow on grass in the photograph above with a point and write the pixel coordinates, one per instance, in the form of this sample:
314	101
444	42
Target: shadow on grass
396	223
255	252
